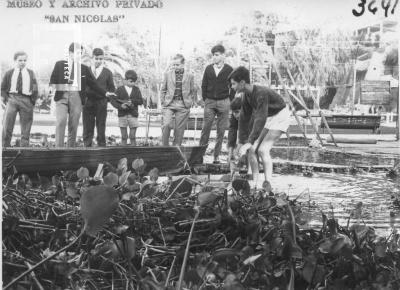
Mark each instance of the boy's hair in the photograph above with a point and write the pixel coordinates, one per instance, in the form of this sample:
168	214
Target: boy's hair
19	53
98	51
73	45
236	104
240	74
218	48
179	56
131	74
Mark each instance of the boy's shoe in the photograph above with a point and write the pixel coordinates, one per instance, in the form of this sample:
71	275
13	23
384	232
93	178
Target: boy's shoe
216	160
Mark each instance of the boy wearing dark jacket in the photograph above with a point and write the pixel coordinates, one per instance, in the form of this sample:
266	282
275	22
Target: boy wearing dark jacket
94	111
127	101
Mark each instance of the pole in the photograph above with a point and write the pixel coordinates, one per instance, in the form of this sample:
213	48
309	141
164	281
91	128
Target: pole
398	99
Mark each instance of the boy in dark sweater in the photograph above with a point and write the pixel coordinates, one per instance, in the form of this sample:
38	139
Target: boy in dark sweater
94	111
216	95
127	101
271	117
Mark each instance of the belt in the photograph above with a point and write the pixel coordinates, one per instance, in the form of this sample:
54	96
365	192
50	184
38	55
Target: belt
18	94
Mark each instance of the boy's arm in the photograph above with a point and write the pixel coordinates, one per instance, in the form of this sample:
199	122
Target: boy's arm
53	76
244	121
137	99
204	85
164	88
116	101
4	92
232	133
110	82
260	117
35	92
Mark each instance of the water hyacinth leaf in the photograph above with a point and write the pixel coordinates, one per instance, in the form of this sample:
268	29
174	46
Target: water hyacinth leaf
241	185
181	186
130	250
380	248
124	177
123	164
82	173
55	180
225	253
154	173
97	205
107	249
111	179
250	260
206	198
132	178
72	190
138	165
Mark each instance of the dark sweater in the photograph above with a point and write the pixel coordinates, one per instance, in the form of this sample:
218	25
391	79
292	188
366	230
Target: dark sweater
6	85
105	81
123	97
263	103
59	78
216	88
233	131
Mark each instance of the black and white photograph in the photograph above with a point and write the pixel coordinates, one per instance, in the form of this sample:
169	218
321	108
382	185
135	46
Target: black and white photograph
200	145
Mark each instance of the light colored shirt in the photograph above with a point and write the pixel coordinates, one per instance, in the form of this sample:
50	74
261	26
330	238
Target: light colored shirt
217	69
26	81
75	78
128	90
97	70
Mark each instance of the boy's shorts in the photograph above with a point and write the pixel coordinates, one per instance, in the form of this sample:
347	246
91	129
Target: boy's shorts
280	121
128	121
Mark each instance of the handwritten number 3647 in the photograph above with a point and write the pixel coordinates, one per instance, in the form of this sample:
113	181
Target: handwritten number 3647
372	7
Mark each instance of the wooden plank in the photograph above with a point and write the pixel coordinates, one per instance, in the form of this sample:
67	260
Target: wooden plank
375	98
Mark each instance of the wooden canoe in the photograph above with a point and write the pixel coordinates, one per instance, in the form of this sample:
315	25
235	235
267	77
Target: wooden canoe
47	161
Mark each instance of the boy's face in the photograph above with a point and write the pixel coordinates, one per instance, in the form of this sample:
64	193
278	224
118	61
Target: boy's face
236	114
218	57
238	86
129	83
177	64
21	61
98	60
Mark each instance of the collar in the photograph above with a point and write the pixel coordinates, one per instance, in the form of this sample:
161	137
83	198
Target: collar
22	70
100	68
216	66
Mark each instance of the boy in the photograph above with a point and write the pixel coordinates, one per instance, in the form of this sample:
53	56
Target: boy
216	95
71	78
19	92
95	109
236	106
127	101
177	94
271	118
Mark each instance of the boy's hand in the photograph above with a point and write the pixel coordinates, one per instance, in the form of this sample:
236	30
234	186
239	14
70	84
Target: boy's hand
110	94
243	150
124	106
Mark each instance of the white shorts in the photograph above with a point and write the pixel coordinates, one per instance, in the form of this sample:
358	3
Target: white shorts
280	121
128	121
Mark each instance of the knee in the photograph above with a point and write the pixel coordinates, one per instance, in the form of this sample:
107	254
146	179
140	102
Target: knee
61	120
264	153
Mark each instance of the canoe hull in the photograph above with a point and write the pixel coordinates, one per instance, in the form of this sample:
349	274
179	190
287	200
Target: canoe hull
48	161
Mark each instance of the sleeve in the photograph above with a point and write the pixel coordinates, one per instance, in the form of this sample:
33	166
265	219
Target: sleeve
110	83
204	85
164	88
35	92
193	91
244	121
259	118
138	100
4	85
114	101
91	81
232	133
53	76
